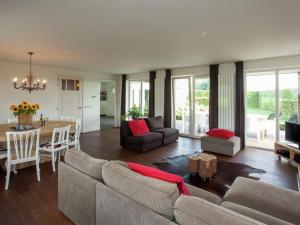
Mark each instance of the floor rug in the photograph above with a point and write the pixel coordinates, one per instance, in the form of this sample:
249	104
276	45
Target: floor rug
221	181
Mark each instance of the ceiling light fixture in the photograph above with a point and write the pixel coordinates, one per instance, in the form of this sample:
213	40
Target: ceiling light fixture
204	33
297	52
29	83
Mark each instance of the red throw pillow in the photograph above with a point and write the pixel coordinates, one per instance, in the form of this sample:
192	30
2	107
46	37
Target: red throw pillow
161	175
138	127
220	133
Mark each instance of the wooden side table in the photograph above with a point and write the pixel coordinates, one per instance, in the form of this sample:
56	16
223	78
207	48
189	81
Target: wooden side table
203	164
193	163
207	165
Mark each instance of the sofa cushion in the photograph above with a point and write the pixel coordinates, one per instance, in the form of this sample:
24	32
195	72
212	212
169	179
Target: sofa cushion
146	138
157	195
272	200
194	211
167	132
160	175
220	133
138	127
85	163
155	123
254	214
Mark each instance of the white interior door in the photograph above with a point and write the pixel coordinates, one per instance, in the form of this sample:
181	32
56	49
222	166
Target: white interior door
70	96
91	107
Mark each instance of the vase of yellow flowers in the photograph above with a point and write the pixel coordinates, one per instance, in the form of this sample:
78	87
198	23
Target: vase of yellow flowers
24	112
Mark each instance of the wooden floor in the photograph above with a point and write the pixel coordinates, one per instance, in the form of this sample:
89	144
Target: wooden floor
28	202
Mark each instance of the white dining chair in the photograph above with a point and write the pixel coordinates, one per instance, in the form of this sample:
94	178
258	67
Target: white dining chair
10	121
74	140
25	146
59	143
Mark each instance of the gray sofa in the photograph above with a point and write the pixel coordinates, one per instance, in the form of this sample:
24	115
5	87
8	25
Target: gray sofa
222	146
157	136
94	191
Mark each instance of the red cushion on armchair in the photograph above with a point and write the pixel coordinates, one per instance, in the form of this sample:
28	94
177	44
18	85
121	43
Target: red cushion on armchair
138	127
220	133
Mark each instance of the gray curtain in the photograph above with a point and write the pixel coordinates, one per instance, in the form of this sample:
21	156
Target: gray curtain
123	95
168	103
240	103
213	96
152	77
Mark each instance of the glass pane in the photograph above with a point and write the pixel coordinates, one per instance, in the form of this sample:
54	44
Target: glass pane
145	103
201	105
182	105
134	94
288	101
70	85
260	119
63	84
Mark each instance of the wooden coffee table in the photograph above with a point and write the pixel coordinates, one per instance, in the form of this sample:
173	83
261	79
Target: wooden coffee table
204	164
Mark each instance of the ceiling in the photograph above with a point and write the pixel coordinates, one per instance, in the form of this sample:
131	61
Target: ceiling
126	36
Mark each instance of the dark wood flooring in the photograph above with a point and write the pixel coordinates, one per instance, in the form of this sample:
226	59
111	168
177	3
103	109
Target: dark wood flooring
30	202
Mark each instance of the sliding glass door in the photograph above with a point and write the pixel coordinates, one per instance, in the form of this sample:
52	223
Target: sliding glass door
182	104
288	100
191	104
201	105
272	99
261	110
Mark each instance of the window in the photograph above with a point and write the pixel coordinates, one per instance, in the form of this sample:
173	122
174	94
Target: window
272	99
70	85
191	104
138	95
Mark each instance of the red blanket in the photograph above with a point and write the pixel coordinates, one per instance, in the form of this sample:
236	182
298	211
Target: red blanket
161	175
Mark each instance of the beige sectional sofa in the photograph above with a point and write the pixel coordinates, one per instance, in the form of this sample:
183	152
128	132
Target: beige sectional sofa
94	191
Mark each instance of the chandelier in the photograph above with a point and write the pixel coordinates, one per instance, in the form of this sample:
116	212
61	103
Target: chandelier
29	83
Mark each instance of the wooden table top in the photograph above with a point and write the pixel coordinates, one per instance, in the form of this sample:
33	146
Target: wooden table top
45	130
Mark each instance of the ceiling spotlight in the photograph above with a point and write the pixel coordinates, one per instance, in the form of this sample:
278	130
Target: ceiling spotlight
204	33
297	52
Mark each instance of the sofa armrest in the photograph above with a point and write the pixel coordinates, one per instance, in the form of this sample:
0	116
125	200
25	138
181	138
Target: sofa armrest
76	195
114	208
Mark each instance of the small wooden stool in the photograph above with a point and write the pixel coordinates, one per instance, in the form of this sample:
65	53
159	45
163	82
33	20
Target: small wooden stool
193	163
207	165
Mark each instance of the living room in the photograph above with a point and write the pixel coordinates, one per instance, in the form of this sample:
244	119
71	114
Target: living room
149	112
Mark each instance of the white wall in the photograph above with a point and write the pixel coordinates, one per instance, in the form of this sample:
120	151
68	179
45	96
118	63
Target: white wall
288	62
195	70
138	76
48	99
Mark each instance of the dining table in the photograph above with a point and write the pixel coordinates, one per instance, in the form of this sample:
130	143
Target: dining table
45	136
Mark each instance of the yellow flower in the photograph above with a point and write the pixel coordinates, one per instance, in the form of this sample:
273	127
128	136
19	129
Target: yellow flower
25	107
25	103
12	107
20	106
34	107
37	106
15	109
